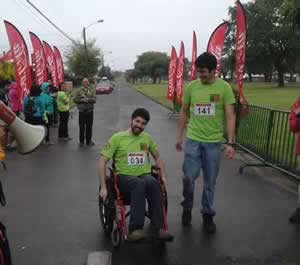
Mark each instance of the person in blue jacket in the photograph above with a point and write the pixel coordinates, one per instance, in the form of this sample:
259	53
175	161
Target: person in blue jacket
33	106
48	101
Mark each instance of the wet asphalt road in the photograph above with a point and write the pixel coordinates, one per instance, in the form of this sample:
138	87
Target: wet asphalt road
52	212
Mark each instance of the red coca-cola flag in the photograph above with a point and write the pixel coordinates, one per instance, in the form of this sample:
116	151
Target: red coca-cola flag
194	57
216	44
180	73
20	57
50	59
172	74
241	35
39	59
59	65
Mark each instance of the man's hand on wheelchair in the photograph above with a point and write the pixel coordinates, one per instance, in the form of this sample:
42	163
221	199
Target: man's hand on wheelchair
103	193
164	180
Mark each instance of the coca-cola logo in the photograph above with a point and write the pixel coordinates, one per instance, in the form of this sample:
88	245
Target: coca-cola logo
21	63
240	51
40	66
172	77
180	68
59	70
51	64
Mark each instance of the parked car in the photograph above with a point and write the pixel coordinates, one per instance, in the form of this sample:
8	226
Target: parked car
104	87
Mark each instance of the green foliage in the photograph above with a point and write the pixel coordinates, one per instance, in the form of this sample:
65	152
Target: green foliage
7	71
105	71
152	64
272	40
84	63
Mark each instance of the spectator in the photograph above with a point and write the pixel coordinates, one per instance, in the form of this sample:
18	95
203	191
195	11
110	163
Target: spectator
34	107
295	127
48	116
13	98
54	91
63	110
85	99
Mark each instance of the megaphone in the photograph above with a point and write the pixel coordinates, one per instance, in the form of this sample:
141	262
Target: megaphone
28	137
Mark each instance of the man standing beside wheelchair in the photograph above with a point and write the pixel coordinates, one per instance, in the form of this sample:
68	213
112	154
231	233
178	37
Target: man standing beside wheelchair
130	151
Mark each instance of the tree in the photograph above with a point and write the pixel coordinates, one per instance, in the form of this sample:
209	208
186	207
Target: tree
292	8
272	39
131	76
152	64
84	63
7	71
105	71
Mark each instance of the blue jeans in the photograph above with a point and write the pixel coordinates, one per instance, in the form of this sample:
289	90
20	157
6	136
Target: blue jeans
197	156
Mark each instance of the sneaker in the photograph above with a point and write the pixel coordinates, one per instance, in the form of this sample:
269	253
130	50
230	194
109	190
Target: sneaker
208	223
136	235
165	235
81	144
186	217
67	138
90	144
49	143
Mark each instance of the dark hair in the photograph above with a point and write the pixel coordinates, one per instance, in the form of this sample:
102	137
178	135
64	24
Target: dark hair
140	112
60	85
206	60
35	90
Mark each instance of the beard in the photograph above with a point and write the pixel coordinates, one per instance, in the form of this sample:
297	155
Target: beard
136	130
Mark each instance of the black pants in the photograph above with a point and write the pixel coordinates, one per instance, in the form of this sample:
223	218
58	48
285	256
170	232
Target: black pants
63	124
34	120
50	122
138	189
55	112
85	126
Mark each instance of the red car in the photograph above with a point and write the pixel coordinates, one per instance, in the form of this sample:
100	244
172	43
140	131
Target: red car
104	87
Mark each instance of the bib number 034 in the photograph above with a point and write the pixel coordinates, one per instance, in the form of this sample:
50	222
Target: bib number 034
136	159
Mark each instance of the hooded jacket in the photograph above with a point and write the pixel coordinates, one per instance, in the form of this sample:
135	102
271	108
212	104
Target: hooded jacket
47	98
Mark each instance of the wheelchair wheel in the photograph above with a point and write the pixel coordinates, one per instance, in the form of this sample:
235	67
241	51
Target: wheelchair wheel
107	210
116	237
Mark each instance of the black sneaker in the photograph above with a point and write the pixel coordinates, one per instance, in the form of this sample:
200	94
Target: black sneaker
186	217
90	143
208	223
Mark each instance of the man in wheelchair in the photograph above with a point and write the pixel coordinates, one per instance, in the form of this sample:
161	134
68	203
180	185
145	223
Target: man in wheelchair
130	151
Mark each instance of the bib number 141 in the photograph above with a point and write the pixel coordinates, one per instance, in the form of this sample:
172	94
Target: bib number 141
204	109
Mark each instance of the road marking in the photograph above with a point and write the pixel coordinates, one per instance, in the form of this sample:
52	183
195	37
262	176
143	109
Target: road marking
99	258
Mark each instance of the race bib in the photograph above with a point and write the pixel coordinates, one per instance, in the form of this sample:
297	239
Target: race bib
136	159
205	109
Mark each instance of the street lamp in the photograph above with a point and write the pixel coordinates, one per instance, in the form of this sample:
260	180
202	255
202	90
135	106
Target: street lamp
84	29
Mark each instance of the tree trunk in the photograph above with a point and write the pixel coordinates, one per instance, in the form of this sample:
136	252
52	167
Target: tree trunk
250	77
280	79
291	76
154	79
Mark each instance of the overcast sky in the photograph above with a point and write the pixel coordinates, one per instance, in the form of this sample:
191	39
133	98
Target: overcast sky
130	26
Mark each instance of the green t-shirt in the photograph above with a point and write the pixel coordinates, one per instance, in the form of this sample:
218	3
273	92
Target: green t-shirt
131	153
207	109
62	101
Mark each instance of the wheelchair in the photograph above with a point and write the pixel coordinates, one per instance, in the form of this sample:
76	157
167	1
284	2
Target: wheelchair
113	213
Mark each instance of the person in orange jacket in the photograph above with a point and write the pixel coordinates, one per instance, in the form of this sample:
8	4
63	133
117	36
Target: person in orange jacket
294	121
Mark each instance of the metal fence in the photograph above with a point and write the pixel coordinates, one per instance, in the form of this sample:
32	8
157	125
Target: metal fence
265	133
